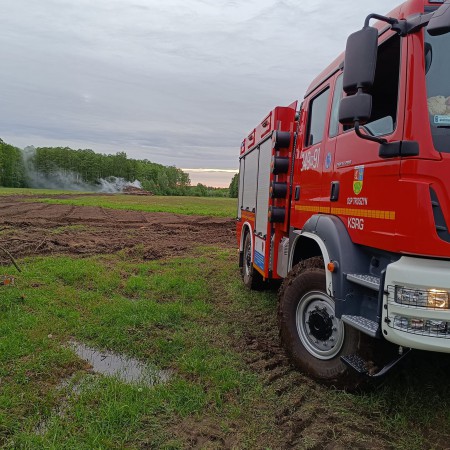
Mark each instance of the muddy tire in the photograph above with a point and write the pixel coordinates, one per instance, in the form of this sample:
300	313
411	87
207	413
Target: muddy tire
312	336
252	279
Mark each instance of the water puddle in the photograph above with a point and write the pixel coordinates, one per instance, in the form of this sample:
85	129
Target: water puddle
124	368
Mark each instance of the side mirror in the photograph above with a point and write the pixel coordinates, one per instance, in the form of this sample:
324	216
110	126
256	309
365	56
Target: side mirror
360	60
440	21
355	108
359	74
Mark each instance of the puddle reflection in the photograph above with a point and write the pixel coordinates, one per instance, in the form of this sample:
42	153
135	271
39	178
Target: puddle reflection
126	369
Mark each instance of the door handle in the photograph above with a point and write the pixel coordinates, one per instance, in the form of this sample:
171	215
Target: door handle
334	194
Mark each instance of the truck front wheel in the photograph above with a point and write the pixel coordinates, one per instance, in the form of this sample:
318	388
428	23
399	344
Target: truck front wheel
310	332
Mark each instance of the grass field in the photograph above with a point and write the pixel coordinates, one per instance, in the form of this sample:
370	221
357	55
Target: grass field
229	383
182	314
27	191
151	311
202	206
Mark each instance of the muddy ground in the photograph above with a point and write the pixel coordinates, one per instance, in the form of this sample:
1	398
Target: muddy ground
31	229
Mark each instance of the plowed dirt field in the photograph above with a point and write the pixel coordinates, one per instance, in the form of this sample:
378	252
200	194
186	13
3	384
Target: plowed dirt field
30	228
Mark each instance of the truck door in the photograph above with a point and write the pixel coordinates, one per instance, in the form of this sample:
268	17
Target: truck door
367	200
310	151
330	189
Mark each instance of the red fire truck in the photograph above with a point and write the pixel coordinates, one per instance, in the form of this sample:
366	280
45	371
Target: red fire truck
346	198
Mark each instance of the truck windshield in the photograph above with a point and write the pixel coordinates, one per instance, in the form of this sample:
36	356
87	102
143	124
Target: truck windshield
437	68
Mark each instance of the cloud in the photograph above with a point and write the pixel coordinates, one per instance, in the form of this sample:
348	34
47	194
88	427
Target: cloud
175	82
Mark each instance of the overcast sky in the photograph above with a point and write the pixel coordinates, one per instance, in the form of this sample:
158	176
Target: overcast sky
176	82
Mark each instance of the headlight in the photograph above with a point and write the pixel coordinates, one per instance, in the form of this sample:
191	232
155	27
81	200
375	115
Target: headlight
432	298
437	299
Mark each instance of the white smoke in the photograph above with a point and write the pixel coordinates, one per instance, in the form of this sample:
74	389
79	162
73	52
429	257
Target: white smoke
115	184
68	180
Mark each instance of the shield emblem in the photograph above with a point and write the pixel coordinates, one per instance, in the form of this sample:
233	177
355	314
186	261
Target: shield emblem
358	179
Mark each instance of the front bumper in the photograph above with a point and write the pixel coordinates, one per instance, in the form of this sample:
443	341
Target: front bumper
412	326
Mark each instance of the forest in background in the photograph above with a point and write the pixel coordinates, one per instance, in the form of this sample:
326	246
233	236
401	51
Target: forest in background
65	168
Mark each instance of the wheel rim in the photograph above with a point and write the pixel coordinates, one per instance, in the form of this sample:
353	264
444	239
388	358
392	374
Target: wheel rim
320	332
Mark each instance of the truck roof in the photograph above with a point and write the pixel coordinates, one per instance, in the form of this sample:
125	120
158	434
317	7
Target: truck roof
402	11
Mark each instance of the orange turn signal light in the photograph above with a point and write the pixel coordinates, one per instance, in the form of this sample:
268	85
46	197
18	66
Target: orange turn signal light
331	266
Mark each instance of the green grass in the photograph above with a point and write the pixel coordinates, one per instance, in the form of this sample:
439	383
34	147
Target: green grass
190	315
150	311
202	206
28	191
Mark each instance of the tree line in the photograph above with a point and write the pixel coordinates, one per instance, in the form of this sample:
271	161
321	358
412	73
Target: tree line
12	169
89	167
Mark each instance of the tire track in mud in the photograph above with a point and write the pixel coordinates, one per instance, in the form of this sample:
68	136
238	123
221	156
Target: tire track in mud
109	217
67	213
303	419
270	361
103	210
144	219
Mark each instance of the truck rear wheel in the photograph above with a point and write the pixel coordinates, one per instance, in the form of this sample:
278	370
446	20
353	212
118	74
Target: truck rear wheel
251	278
311	334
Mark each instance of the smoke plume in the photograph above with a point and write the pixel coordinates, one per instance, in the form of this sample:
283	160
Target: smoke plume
69	180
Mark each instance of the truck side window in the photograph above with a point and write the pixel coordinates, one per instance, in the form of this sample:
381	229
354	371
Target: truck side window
316	120
385	88
334	119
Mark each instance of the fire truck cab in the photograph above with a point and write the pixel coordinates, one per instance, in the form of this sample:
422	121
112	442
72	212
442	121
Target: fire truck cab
346	198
